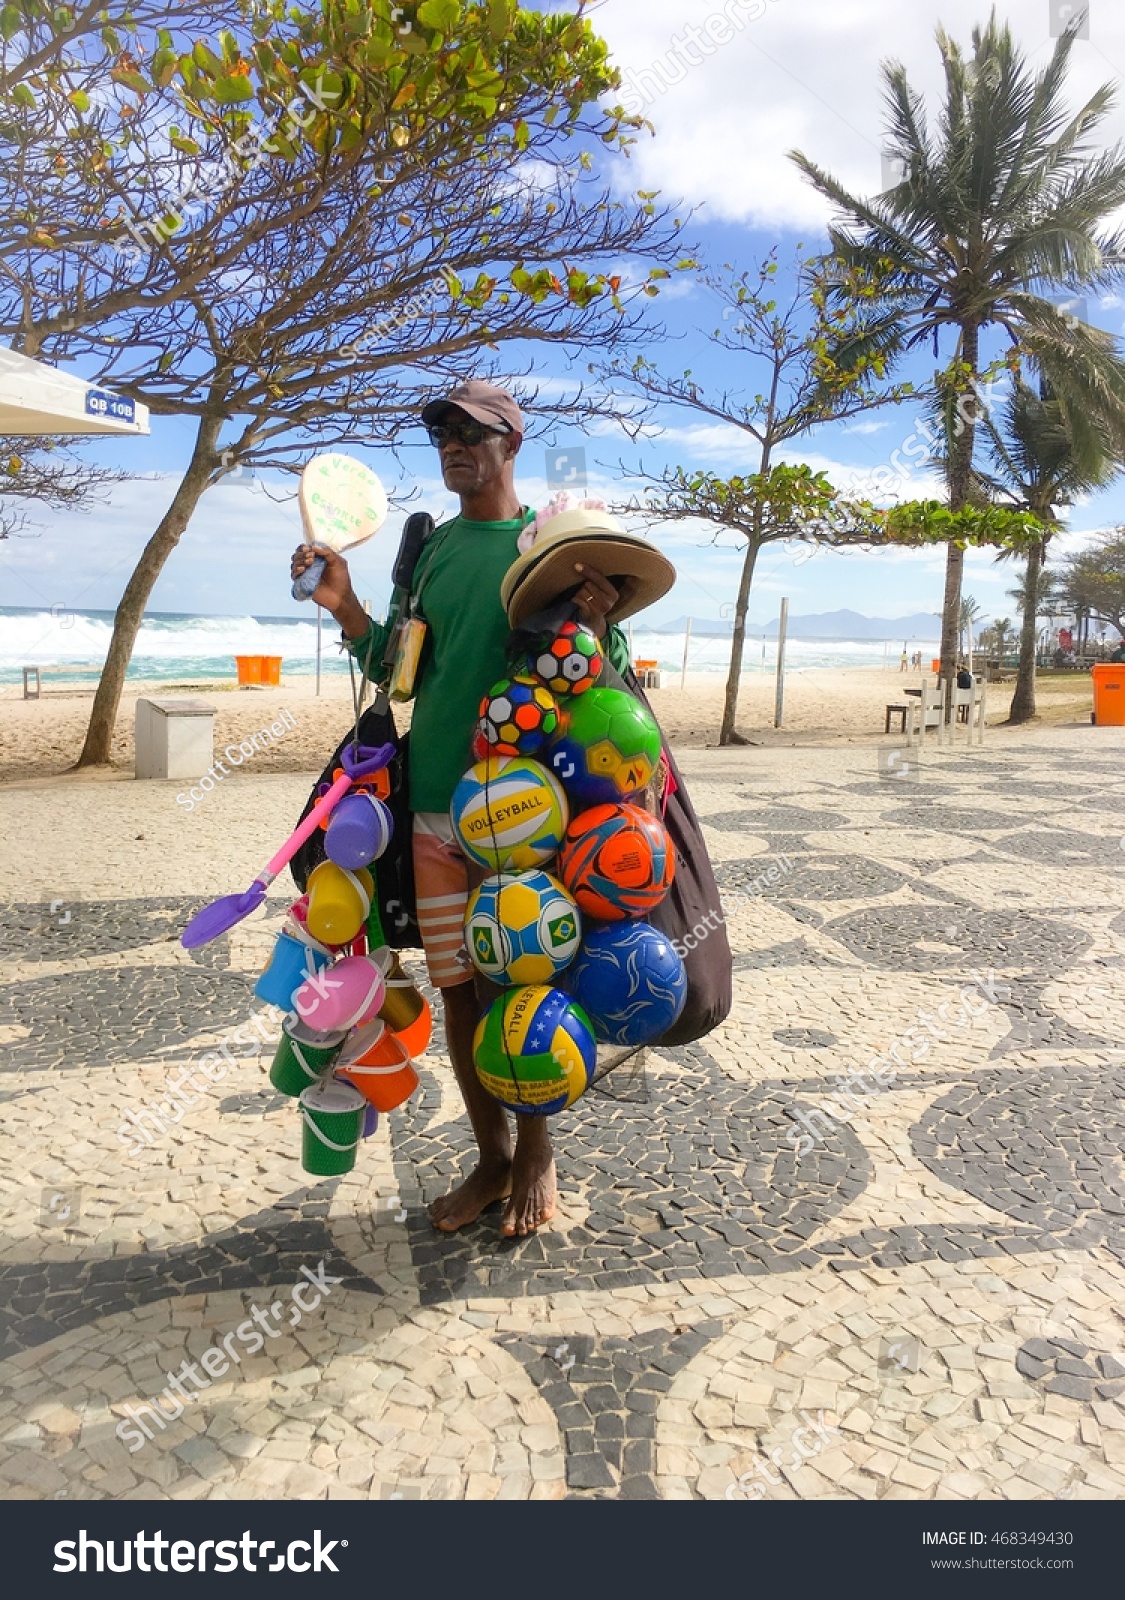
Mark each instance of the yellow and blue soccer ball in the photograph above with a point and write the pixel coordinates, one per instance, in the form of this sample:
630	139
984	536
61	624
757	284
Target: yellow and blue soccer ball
517	717
522	928
534	1050
509	813
629	981
609	749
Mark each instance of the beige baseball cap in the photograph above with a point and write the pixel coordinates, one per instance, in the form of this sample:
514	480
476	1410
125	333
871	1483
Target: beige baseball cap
487	404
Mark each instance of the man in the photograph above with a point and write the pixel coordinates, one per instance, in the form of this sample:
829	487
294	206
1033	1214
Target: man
1119	653
478	430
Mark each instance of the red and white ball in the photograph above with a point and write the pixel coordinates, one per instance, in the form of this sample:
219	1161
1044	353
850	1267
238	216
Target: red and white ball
344	995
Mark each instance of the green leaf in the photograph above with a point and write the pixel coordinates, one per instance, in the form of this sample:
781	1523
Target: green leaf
442	15
11	20
187	147
499	18
229	91
23	96
79	99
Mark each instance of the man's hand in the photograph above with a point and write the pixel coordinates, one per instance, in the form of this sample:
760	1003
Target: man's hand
596	598
334	591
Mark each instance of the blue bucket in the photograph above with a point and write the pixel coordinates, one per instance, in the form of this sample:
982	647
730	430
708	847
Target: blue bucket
291	964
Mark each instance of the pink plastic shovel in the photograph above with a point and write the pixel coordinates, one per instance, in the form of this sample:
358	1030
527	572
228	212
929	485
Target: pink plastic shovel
222	915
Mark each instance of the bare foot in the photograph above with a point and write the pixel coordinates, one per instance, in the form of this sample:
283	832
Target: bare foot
481	1189
534	1190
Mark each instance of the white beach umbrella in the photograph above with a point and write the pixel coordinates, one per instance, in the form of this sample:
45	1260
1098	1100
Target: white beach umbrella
38	399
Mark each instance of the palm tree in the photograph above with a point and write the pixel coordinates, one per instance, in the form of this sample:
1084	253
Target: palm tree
969	612
1003	201
1040	467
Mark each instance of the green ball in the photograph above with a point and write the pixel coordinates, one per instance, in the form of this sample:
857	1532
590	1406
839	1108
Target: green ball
609	749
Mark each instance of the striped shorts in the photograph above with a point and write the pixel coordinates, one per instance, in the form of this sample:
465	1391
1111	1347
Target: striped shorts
443	881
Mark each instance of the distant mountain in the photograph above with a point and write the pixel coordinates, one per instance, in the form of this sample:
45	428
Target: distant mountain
820	625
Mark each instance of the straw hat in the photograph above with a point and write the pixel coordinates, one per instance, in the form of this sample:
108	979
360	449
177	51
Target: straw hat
568	531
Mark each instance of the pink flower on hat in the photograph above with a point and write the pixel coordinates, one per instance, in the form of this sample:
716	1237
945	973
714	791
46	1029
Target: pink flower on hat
563	501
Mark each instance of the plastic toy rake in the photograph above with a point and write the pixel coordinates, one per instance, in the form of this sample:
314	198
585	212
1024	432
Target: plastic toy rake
223	914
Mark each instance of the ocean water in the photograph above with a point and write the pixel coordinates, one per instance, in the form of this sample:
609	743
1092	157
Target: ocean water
180	648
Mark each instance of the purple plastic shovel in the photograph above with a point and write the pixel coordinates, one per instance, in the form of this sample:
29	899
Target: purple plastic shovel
223	914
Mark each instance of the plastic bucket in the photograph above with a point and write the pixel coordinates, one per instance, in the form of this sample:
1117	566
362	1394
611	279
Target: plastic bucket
339	901
333	1114
303	1057
359	831
291	964
378	1064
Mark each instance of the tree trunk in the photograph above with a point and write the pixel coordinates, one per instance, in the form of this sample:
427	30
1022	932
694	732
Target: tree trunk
1023	701
130	612
730	704
960	483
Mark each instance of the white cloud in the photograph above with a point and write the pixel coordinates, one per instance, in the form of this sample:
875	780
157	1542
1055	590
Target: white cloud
804	74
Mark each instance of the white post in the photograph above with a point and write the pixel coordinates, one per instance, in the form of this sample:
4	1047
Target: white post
885	648
319	616
779	701
687	643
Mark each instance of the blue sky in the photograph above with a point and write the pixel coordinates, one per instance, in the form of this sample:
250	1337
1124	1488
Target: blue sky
798	73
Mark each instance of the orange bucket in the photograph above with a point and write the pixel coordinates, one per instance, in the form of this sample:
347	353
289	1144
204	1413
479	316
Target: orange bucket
377	1062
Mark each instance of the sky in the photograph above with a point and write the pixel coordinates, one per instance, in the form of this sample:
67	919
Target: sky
793	74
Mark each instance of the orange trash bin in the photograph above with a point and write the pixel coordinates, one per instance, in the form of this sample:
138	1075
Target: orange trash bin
1109	694
935	665
271	671
249	670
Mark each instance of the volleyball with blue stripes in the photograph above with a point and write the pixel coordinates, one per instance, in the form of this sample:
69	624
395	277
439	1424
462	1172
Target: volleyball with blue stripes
629	981
509	813
535	1051
522	928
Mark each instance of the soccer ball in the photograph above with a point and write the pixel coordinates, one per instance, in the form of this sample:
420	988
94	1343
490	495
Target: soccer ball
617	861
609	749
509	813
568	663
522	929
534	1051
517	717
630	982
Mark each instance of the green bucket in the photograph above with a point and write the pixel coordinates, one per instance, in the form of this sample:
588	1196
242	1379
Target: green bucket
333	1114
303	1057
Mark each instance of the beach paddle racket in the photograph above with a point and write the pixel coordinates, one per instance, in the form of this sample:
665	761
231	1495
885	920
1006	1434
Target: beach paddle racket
342	504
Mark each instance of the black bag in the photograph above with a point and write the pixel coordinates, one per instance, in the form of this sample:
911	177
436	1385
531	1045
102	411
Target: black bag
694	896
394	870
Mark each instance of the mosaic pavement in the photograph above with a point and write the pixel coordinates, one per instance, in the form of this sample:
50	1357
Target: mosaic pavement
770	1278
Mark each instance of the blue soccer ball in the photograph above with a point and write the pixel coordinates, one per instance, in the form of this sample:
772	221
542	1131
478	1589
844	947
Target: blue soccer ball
629	981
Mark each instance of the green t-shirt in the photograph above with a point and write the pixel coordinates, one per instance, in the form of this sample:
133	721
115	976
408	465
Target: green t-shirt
457	591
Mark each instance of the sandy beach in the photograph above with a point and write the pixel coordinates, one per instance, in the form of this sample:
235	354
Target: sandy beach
40	738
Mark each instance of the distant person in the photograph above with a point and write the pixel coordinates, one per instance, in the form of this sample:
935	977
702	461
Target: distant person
1119	653
964	678
902	660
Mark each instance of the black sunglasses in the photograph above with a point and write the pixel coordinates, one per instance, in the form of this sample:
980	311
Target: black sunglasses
469	432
